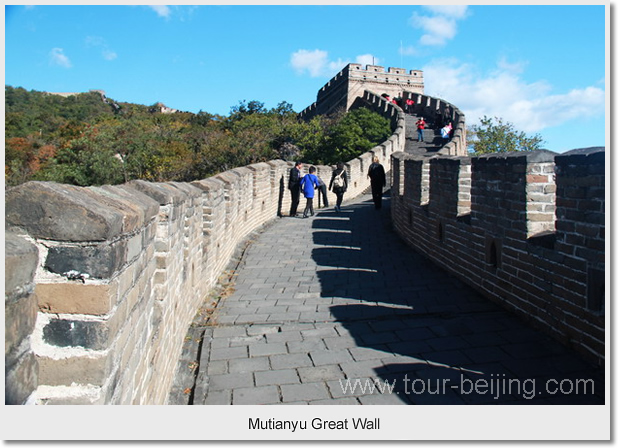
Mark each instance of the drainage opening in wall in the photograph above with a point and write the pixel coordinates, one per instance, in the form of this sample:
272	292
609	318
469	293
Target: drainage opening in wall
493	253
440	232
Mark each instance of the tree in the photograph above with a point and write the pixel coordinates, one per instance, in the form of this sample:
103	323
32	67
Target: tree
489	137
358	131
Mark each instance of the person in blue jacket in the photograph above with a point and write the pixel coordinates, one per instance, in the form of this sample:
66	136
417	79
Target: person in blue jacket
308	185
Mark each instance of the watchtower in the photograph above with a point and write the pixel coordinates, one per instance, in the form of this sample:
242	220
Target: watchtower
353	80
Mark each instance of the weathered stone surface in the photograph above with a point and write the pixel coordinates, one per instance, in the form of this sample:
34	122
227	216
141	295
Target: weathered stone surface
20	379
19	321
61	212
76	298
100	261
164	194
137	208
80	370
76	333
20	262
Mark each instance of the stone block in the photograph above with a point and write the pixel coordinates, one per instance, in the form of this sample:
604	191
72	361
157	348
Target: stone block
76	298
276	377
91	333
76	333
21	379
255	395
20	262
91	369
304	392
61	212
162	193
147	207
99	261
19	321
70	395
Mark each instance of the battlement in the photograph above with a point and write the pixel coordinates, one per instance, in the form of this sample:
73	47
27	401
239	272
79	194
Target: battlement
526	229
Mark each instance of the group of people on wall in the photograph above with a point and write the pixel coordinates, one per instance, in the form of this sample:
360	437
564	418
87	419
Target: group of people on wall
445	126
407	104
311	185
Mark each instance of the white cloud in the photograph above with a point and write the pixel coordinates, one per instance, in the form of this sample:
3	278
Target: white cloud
530	106
182	13
161	10
313	62
57	57
367	59
454	11
316	63
440	27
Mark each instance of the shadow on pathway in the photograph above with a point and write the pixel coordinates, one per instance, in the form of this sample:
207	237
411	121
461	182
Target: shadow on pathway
452	346
336	309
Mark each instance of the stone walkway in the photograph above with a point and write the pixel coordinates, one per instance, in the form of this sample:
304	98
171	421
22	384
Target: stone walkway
335	309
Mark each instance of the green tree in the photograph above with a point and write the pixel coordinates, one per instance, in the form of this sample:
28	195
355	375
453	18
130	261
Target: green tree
498	136
357	132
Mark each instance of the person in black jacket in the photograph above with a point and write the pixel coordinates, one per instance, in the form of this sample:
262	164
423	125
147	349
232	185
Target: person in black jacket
338	184
378	181
294	186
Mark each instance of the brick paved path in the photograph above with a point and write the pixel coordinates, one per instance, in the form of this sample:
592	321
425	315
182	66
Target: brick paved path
338	297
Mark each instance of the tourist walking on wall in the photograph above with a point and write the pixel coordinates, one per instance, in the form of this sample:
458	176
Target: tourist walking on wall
294	186
322	190
378	181
420	125
308	185
339	184
445	132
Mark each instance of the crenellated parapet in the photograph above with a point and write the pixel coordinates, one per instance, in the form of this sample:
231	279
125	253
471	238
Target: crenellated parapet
526	229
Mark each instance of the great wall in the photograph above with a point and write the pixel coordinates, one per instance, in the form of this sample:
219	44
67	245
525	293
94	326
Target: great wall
101	283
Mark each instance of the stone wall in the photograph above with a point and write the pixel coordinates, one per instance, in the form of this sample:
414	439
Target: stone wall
118	273
526	229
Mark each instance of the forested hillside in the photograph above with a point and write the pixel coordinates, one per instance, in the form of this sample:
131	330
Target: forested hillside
84	140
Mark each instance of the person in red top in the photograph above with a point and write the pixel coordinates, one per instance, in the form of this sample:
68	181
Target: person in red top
409	104
420	125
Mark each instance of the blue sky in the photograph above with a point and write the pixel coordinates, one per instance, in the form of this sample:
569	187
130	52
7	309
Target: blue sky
542	68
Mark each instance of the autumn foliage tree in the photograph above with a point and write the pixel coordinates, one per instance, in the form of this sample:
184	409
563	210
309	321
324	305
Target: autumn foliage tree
83	140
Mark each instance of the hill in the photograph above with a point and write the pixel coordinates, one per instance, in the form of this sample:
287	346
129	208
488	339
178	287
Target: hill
87	139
